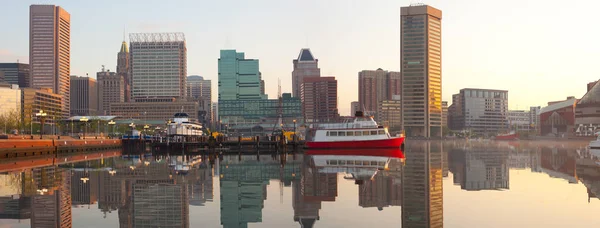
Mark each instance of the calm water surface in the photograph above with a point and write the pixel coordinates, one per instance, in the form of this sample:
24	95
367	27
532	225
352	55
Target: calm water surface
432	184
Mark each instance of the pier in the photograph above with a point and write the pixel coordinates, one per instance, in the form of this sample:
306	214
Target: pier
28	148
224	144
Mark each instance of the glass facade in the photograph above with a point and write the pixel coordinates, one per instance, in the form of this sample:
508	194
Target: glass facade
421	70
256	111
239	78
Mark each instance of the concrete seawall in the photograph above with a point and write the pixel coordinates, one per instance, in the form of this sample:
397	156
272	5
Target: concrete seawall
28	148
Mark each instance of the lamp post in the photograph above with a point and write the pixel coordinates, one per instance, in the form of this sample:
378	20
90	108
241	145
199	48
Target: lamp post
294	127
112	123
42	115
84	120
146	129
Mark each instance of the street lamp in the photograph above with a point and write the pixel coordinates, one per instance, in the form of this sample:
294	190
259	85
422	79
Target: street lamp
112	172
112	123
84	179
42	115
84	120
146	128
294	127
42	191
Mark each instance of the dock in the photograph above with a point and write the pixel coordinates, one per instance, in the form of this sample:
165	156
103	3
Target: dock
223	144
29	148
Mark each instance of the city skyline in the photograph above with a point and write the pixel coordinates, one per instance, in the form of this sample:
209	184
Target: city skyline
471	56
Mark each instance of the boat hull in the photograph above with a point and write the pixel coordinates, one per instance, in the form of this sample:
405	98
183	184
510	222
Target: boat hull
507	137
377	152
380	143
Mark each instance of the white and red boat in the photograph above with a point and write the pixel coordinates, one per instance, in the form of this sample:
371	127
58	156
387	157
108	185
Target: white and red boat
508	136
361	132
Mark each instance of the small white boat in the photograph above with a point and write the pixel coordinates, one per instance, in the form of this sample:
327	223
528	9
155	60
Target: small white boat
183	125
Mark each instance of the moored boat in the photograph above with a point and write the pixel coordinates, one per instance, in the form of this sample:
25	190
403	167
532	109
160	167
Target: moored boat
508	136
183	125
361	132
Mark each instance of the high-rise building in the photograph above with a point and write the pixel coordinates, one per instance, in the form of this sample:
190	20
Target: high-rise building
50	50
389	113
197	87
375	86
305	66
158	66
421	67
444	113
354	107
239	78
111	89
199	90
84	96
16	73
480	111
123	68
319	99
262	87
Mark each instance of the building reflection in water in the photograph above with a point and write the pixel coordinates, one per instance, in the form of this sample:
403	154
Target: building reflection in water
45	198
243	185
480	167
422	193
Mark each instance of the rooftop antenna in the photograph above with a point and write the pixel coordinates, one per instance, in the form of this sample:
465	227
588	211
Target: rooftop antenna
102	68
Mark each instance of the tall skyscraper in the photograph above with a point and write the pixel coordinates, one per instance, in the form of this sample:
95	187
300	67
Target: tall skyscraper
50	50
444	113
305	66
123	68
421	70
319	99
111	89
199	90
84	96
239	78
375	86
158	66
16	73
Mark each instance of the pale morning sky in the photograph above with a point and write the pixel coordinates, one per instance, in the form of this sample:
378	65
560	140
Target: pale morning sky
539	50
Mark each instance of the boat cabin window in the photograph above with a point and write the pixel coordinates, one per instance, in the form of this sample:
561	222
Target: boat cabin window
365	133
381	132
350	133
358	133
341	133
350	162
333	133
373	132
